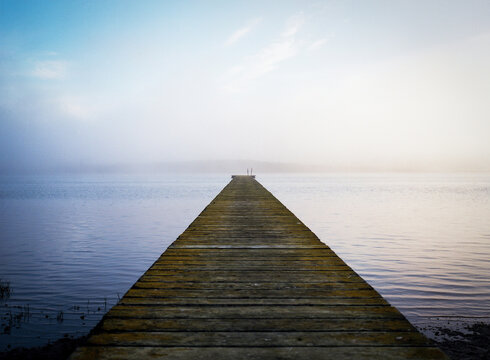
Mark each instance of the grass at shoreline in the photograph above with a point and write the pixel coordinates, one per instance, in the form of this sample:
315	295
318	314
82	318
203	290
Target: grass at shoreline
472	344
59	350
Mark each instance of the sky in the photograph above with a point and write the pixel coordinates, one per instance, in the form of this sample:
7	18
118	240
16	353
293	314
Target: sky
360	85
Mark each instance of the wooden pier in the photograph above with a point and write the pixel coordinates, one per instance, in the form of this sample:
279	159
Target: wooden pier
248	280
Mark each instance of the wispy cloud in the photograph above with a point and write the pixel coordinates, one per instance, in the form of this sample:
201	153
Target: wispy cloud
315	45
50	69
75	107
268	58
240	33
293	24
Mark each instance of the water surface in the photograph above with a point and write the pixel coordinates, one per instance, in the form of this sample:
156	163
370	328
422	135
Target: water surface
422	240
71	245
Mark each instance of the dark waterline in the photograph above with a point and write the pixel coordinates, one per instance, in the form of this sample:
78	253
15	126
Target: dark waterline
70	245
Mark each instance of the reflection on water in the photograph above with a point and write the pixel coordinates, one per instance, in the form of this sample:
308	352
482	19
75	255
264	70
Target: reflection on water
75	244
71	245
423	241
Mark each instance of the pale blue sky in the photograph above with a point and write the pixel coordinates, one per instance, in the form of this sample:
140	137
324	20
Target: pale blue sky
363	84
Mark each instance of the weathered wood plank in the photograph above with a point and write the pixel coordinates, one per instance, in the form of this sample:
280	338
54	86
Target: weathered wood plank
247	267
255	293
248	285
277	325
288	262
127	300
264	252
254	312
259	339
236	276
250	352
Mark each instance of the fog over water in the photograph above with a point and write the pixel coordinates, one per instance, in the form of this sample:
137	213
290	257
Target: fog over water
365	86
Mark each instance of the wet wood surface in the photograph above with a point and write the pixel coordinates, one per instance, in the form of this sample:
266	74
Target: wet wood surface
248	280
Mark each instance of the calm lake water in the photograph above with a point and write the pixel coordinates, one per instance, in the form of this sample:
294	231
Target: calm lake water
71	245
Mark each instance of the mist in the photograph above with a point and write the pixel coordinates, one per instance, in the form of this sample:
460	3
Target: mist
281	86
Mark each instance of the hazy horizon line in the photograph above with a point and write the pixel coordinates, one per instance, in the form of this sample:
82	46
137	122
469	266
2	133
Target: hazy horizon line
234	166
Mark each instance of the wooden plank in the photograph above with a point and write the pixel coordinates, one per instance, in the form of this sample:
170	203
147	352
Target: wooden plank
259	338
276	301
183	262
262	252
247	267
250	352
255	277
254	312
248	280
255	293
277	325
248	285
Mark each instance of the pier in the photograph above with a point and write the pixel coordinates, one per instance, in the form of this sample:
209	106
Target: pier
248	280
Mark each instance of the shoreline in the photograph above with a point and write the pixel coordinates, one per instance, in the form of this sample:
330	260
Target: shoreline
60	349
470	344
